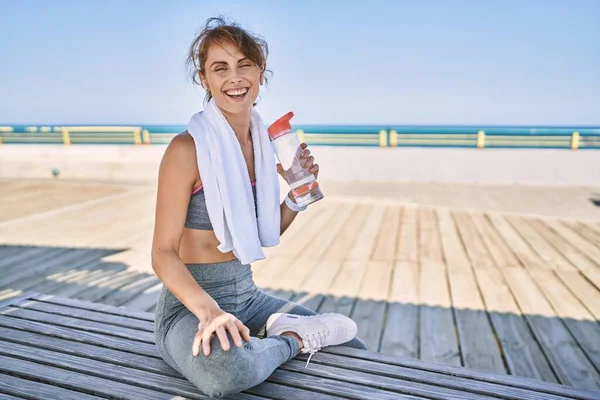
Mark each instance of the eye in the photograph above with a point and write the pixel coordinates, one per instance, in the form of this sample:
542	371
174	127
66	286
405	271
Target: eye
220	69
246	65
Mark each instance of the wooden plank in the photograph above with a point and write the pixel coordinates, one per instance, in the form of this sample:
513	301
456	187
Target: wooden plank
407	248
86	305
550	257
37	390
436	325
566	357
151	363
575	255
393	365
586	230
47	283
73	259
77	381
130	291
516	243
365	242
344	288
521	351
430	247
345	373
119	375
385	246
81	336
144	300
585	291
48	253
332	386
370	307
412	381
478	344
500	252
89	315
401	325
76	323
315	286
577	318
98	291
347	237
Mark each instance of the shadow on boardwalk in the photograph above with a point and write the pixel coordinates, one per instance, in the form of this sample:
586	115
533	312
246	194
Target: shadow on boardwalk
563	350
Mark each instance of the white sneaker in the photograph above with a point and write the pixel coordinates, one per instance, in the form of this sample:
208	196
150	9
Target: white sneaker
316	331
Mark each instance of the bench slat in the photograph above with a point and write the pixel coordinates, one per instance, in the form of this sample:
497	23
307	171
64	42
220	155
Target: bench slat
118	357
79	336
401	386
379	371
27	388
77	381
89	315
79	324
87	305
419	365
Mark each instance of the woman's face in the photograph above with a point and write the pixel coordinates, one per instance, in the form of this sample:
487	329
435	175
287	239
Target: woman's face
233	79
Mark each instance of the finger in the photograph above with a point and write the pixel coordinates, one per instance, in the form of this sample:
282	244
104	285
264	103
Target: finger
310	162
244	329
306	153
222	335
206	342
196	344
303	145
235	334
315	170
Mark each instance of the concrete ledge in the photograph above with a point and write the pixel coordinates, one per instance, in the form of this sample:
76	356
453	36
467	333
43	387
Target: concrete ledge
116	163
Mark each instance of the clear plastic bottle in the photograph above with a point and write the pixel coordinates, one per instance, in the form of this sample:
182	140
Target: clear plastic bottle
286	144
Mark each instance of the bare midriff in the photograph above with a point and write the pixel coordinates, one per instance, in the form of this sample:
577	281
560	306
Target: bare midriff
200	247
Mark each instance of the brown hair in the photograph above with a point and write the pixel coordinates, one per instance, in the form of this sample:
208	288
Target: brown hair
217	30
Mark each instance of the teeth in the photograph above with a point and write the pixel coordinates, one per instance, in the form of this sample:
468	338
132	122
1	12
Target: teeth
237	92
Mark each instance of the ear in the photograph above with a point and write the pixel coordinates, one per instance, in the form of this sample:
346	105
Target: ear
262	78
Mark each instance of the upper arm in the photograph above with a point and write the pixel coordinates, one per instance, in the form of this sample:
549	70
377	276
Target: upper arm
176	177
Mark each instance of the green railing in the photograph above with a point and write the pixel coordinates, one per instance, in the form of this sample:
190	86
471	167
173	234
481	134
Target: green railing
329	135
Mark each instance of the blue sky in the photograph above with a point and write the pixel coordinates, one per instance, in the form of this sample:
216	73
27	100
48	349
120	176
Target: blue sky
509	62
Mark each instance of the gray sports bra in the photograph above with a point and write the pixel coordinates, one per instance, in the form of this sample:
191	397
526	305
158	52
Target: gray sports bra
197	214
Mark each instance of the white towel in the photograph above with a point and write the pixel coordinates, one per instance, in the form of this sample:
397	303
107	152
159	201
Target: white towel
227	186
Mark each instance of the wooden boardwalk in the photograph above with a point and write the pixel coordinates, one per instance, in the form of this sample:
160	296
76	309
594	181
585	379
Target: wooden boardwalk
502	293
59	348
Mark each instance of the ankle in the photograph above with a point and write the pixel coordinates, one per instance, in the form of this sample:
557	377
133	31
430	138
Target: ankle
295	336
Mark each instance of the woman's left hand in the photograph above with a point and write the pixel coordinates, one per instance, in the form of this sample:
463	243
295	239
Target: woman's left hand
306	160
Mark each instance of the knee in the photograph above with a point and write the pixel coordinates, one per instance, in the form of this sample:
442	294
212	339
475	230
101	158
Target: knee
223	373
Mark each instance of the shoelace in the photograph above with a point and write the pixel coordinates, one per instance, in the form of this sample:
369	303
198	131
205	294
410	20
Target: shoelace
317	344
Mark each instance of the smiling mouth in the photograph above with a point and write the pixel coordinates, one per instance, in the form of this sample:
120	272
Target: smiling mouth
237	94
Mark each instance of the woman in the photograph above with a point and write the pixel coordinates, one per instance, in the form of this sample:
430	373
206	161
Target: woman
206	291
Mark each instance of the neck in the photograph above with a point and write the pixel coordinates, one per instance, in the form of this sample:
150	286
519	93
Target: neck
240	123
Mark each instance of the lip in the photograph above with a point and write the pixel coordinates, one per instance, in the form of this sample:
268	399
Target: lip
240	99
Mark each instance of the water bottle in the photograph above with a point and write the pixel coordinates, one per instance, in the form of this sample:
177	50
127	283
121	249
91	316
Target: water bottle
305	188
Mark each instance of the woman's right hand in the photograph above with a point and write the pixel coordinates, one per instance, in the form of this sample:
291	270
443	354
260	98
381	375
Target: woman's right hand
218	321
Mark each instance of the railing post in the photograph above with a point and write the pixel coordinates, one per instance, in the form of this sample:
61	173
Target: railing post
393	138
575	141
66	137
300	134
480	139
136	136
383	139
146	136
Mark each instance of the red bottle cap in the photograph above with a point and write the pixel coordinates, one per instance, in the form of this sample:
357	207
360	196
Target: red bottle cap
280	126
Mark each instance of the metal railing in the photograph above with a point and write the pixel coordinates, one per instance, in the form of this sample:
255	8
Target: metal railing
574	138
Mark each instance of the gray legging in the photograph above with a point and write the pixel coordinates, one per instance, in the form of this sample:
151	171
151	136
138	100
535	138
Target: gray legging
226	372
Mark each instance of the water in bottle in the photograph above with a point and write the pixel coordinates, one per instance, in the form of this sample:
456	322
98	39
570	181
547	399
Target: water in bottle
286	144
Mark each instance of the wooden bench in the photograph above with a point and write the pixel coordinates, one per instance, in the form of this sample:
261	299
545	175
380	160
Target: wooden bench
59	348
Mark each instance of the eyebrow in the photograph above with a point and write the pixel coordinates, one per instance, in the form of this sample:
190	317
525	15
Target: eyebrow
223	62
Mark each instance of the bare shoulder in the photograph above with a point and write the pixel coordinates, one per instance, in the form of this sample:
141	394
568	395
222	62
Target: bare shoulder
180	157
